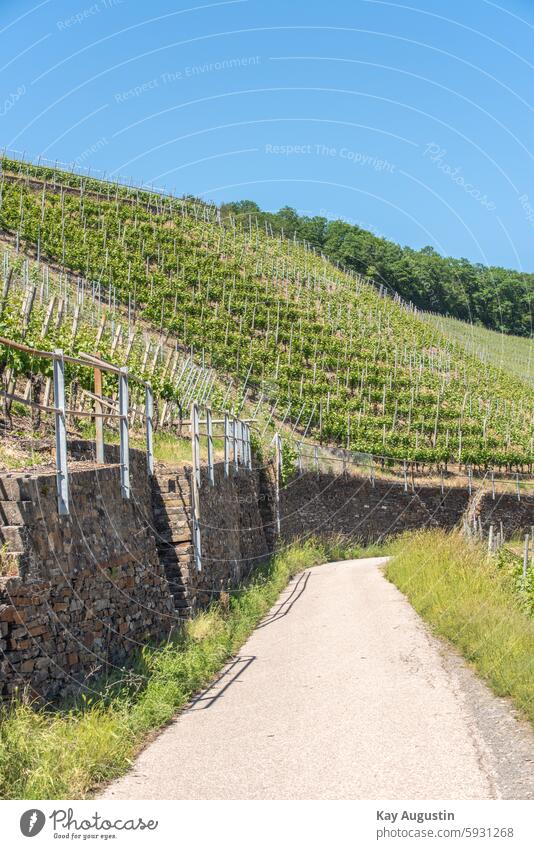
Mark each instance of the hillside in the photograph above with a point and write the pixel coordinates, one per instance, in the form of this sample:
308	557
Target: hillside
514	354
318	346
497	298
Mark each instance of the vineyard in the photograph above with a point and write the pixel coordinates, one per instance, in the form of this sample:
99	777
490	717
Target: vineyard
514	354
228	310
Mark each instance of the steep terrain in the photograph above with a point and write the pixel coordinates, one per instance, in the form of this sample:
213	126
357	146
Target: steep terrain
322	348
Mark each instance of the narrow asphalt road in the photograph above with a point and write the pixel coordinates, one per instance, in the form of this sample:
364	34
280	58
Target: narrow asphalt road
340	693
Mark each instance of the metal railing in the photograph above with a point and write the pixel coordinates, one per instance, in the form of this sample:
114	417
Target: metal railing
237	454
236	431
59	409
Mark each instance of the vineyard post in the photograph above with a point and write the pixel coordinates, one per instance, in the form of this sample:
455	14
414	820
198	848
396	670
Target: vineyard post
525	557
226	445
61	434
209	429
493	485
99	421
517	486
124	436
241	441
249	449
490	539
149	413
235	456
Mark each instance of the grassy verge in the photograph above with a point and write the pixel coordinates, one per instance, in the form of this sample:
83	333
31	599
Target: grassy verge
475	602
68	752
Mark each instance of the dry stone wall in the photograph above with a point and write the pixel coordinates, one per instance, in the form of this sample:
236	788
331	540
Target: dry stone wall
90	589
328	504
236	530
81	594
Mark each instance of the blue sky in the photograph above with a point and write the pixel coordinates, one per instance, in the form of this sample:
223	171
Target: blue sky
410	119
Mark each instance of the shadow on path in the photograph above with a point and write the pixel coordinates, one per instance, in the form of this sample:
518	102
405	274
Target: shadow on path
285	606
229	676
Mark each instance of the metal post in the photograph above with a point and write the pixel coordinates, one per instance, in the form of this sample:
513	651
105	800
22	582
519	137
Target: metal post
278	477
249	449
245	446
517	486
195	484
62	476
123	430
209	430
149	414
226	445
195	441
490	539
316	459
99	421
239	441
235	456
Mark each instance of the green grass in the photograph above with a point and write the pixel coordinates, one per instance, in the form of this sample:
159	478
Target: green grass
69	751
473	601
168	448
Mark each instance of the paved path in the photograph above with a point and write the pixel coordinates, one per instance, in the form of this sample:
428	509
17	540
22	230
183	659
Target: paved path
340	693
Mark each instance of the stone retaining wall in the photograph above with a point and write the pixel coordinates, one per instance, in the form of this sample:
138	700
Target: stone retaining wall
328	504
82	593
90	588
236	530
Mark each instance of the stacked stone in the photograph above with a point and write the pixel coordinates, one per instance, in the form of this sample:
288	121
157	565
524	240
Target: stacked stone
171	505
90	591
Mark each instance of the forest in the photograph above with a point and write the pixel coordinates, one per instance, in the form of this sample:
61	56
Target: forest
497	298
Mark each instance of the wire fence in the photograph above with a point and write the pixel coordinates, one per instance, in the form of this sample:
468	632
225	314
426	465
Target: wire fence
311	457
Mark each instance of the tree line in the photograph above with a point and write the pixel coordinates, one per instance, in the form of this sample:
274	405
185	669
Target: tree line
495	297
